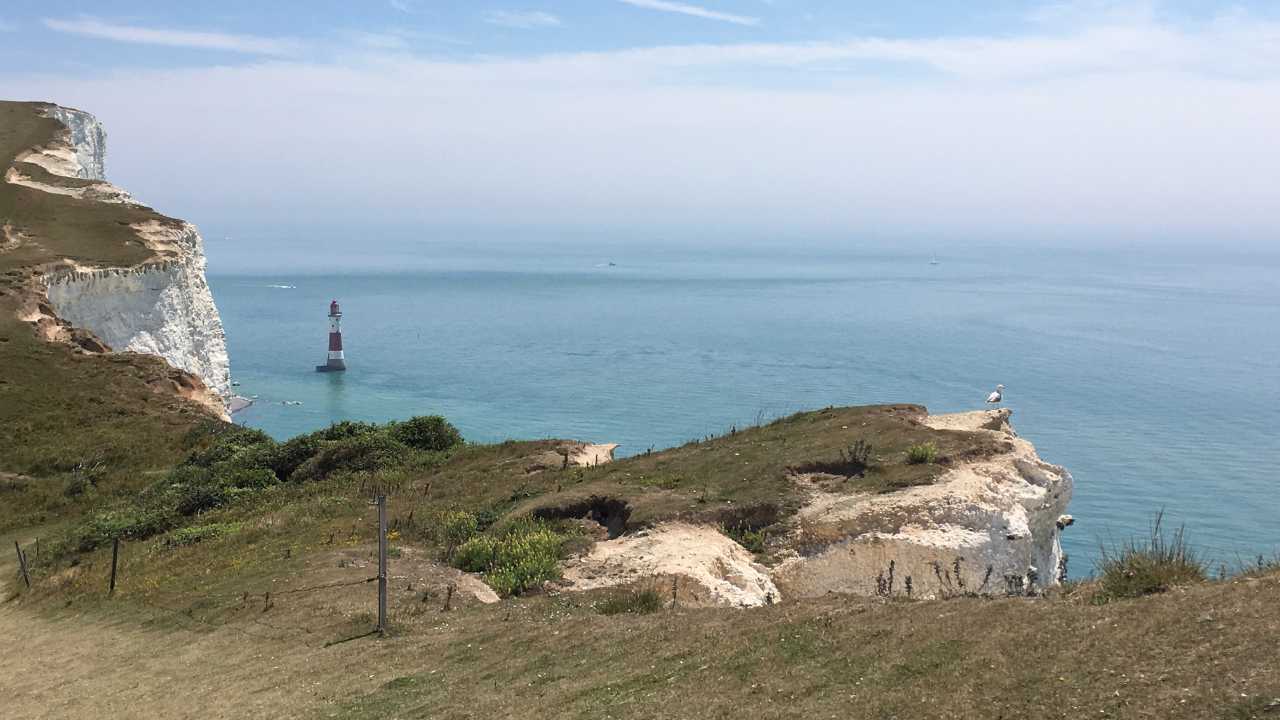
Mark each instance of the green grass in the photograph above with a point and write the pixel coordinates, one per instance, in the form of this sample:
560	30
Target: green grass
848	657
632	602
922	454
1149	565
59	226
199	533
454	501
236	466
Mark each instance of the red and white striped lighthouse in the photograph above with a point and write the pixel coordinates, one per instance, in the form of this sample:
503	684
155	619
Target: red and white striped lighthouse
336	361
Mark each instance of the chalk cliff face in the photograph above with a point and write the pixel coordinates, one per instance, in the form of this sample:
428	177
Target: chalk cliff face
88	140
162	306
991	525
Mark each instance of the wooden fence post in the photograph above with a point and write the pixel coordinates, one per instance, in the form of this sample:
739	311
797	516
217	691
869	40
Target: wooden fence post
22	564
115	558
382	564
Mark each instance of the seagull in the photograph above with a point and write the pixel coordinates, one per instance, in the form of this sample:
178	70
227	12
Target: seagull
997	395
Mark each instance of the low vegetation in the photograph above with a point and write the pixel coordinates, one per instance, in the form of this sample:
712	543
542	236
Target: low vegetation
235	465
630	602
520	557
922	454
1149	565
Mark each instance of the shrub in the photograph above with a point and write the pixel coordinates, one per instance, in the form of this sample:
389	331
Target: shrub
476	554
78	485
1150	565
139	524
456	528
358	453
345	429
641	602
198	498
752	540
293	453
922	454
244	478
860	453
199	533
431	433
526	555
227	443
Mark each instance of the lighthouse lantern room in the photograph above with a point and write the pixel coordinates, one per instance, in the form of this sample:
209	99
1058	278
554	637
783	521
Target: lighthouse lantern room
336	362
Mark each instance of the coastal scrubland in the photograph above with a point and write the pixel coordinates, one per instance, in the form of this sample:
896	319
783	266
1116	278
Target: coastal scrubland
248	559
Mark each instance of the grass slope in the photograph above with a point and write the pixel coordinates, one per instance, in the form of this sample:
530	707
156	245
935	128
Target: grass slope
68	419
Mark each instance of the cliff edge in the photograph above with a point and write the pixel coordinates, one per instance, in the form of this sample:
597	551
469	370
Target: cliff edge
93	267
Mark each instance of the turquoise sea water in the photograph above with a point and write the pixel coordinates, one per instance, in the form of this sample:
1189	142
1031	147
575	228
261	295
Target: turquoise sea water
1154	378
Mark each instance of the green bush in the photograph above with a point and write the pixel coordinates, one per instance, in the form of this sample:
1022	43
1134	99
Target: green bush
1150	565
244	478
345	430
293	453
456	528
641	602
229	441
358	453
752	540
197	498
199	533
430	433
476	555
922	454
139	524
526	555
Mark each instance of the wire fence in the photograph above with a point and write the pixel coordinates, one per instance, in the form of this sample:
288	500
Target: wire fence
226	610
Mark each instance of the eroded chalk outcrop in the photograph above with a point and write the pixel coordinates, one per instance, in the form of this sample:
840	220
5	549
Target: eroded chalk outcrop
703	566
989	525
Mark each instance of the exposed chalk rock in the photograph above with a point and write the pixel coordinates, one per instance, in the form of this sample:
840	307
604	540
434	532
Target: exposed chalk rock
88	141
720	571
994	518
164	309
163	306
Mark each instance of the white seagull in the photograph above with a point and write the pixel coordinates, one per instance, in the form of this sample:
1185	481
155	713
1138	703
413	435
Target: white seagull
997	395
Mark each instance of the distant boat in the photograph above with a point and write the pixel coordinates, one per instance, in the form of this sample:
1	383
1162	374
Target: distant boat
934	260
613	264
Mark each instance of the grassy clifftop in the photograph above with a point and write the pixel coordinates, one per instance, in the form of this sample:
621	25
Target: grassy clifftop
68	416
263	589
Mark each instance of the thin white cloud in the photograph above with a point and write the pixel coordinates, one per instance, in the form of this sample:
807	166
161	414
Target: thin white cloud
522	19
6	27
1111	131
403	6
379	40
693	10
249	44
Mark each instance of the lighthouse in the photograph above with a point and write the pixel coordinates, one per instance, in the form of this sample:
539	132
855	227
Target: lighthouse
336	362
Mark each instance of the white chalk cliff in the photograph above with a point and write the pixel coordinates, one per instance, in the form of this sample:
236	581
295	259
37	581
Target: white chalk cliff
990	526
162	306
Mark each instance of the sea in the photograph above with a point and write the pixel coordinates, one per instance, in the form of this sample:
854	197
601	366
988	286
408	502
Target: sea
1154	377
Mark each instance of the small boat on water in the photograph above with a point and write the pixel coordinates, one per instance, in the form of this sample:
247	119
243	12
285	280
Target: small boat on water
934	260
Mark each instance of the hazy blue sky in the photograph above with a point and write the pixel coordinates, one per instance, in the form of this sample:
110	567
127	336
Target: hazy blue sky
807	120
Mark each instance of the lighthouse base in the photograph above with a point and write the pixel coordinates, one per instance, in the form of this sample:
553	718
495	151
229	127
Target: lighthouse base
332	366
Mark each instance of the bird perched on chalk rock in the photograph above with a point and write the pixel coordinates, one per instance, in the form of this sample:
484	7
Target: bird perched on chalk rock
996	396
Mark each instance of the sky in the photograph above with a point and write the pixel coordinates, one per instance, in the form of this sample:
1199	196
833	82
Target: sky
706	122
